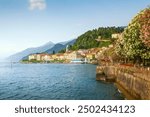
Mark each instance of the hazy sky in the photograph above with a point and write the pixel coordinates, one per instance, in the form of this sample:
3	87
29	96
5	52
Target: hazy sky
30	23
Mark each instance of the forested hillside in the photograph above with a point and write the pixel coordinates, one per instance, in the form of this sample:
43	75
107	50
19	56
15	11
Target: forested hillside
88	39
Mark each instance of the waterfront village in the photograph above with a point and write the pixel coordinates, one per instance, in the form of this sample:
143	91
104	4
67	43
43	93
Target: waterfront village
125	61
80	56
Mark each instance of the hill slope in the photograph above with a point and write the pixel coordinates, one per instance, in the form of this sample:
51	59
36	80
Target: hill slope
88	39
47	48
60	46
18	56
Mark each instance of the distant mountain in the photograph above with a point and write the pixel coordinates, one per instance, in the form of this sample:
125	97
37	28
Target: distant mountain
60	46
70	42
48	48
56	48
18	56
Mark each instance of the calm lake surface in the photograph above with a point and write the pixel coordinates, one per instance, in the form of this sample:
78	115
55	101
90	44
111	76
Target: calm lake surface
53	82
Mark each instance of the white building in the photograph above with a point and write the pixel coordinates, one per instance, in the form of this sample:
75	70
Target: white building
32	57
116	36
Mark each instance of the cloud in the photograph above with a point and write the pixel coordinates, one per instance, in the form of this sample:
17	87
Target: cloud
37	4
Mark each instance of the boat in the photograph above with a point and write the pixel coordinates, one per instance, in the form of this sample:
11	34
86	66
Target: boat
77	61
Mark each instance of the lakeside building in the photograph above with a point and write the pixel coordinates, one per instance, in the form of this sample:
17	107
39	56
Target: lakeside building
83	52
60	56
90	56
78	60
32	57
70	55
81	55
116	35
74	55
46	57
40	57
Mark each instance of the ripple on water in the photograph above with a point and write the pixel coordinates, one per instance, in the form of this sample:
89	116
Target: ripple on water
53	81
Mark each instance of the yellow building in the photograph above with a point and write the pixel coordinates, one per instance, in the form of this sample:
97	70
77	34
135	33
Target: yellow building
46	57
90	56
32	57
116	35
73	55
54	56
59	56
38	58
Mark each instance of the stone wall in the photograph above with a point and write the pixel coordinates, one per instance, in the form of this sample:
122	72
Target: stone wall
135	84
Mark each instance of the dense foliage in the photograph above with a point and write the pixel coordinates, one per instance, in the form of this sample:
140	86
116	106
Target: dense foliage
88	39
145	27
135	43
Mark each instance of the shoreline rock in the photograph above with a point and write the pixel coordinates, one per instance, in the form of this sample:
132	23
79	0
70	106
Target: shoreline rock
130	84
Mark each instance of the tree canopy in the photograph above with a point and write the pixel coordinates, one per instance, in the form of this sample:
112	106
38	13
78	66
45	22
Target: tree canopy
88	39
135	43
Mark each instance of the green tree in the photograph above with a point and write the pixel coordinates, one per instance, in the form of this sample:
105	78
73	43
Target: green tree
134	45
62	51
53	51
88	39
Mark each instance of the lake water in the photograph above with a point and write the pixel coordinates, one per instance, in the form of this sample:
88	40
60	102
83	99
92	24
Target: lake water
53	82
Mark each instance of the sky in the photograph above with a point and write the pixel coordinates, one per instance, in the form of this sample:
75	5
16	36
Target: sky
32	23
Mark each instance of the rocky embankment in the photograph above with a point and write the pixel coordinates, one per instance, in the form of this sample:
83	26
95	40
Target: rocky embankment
133	82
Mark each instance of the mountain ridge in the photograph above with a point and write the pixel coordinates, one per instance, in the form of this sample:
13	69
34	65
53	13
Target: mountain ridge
60	46
43	48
